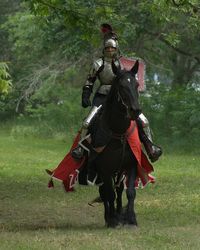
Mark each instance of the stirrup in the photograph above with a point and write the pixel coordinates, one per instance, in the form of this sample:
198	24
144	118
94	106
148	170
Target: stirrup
77	153
91	181
94	181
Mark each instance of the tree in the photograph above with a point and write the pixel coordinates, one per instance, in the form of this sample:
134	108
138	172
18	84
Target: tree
7	7
167	28
58	36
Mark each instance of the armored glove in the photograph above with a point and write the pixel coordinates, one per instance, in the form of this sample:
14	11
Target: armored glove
86	96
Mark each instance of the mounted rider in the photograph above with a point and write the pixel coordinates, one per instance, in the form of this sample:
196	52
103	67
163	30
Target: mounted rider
102	69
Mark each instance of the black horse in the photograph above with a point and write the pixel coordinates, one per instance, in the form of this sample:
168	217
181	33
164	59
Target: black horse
121	107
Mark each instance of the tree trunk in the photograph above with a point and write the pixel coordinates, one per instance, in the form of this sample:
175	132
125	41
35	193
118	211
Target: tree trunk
183	70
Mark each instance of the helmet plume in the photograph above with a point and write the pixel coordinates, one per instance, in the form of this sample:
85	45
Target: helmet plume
105	28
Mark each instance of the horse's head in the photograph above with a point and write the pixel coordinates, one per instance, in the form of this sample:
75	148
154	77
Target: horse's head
127	89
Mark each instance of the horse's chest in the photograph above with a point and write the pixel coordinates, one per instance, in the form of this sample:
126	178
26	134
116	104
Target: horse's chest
115	157
118	125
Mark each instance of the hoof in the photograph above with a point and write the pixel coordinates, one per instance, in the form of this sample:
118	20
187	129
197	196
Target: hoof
130	219
112	223
120	218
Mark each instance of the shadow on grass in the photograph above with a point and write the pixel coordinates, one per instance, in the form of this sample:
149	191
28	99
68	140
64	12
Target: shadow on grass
51	226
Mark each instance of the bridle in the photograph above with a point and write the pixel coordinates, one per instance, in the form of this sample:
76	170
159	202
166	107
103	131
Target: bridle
120	99
122	137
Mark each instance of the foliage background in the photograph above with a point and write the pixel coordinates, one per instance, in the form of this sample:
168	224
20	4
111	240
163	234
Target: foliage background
46	49
49	46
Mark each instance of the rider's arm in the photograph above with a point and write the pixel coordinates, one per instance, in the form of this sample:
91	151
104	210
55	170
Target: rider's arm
91	78
97	66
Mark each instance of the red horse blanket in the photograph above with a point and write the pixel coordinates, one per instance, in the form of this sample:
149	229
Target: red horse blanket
68	169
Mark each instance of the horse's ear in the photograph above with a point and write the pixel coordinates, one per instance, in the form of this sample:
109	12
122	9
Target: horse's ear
135	68
116	69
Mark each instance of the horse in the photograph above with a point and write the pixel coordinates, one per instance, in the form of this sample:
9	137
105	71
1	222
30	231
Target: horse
120	108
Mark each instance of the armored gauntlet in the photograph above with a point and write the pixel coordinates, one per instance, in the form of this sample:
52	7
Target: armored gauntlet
86	96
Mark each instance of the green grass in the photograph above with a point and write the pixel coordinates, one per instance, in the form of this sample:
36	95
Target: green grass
33	217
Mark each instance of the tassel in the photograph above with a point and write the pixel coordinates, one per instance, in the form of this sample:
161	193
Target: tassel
152	179
49	172
50	184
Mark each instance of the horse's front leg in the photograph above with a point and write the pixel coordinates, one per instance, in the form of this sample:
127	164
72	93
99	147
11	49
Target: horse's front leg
130	217
119	191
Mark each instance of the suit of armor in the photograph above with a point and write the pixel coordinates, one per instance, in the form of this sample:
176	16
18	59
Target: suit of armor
101	69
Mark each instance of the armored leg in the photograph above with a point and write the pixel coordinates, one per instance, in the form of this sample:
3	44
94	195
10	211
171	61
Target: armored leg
153	151
78	152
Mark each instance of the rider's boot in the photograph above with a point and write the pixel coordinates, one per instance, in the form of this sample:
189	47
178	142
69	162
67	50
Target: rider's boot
78	152
153	151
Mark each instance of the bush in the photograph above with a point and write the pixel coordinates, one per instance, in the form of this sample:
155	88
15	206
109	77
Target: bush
52	114
55	111
173	113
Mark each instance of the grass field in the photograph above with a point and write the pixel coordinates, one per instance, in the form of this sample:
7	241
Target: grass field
33	217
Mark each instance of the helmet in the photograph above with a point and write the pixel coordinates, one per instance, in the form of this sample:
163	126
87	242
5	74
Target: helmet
110	41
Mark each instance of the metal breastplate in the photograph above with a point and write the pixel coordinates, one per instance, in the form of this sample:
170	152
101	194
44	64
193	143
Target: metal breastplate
106	77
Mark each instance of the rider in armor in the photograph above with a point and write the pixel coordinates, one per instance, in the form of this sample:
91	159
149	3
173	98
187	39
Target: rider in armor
102	69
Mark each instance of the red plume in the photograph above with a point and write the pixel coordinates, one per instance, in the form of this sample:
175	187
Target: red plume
105	28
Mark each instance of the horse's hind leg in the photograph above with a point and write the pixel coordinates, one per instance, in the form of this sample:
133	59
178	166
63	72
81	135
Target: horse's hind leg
108	197
130	217
105	202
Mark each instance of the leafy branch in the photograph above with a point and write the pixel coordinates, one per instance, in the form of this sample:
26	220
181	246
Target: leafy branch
5	82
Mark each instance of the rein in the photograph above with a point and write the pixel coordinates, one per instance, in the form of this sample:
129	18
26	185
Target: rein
123	137
121	99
